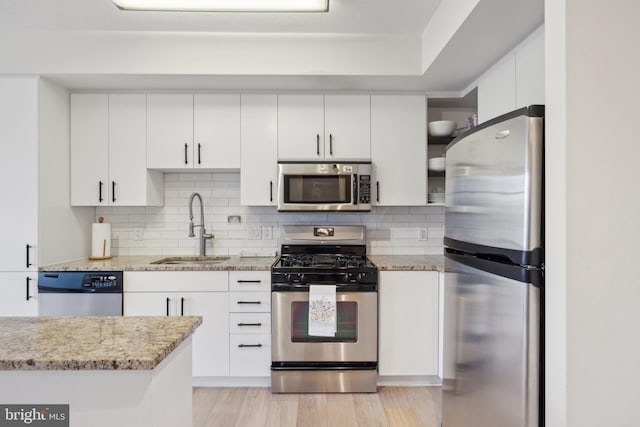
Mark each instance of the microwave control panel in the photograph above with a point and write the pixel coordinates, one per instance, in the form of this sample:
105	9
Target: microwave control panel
364	196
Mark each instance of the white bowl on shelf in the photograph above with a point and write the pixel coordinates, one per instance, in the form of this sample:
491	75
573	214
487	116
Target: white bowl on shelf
435	198
442	127
437	164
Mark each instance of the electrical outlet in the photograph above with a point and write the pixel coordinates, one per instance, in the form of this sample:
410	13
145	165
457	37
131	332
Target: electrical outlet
254	232
267	232
138	234
423	235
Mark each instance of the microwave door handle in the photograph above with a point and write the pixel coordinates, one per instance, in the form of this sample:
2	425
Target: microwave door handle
355	188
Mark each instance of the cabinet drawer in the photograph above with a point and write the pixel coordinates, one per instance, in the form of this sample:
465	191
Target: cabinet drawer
250	302
246	281
250	355
250	323
176	281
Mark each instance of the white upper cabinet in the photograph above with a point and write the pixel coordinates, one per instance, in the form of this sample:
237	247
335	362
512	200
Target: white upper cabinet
399	150
347	127
170	131
89	149
317	127
259	148
300	127
187	131
19	175
516	81
216	131
108	152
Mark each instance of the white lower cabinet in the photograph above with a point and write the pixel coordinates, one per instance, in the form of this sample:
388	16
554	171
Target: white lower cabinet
250	323
188	293
18	294
235	336
408	323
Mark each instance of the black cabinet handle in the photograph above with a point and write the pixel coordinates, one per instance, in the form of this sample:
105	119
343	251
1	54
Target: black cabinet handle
182	306
199	148
318	144
250	302
100	191
249	281
167	306
31	296
271	191
331	144
249	345
377	191
113	191
185	153
29	264
249	324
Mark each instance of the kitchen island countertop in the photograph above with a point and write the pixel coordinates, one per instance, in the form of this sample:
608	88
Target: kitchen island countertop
408	262
144	263
90	343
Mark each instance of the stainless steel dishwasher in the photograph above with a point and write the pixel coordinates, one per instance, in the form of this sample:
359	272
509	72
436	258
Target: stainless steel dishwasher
80	293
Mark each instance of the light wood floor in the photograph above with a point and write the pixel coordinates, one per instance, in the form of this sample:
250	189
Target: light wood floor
257	407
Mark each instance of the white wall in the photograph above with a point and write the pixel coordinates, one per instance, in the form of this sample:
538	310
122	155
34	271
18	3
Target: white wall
163	230
63	231
593	287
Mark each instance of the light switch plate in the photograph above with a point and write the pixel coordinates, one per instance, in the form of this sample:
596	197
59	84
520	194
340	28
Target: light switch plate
267	232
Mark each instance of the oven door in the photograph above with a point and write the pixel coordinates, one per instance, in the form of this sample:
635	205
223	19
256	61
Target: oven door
356	338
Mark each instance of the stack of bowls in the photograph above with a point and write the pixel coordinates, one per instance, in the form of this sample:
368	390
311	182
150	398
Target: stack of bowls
442	127
436	198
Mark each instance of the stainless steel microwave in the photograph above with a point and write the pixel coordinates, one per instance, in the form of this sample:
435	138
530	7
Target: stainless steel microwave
324	186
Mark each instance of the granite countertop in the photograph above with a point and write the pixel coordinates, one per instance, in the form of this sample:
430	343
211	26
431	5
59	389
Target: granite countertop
90	343
408	262
144	263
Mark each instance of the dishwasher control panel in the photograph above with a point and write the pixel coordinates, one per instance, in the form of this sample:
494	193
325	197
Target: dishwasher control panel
80	281
101	281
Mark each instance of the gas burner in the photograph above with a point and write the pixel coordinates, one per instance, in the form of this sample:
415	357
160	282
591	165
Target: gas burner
323	261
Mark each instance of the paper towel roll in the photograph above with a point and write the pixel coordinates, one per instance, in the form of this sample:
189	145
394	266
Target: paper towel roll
100	240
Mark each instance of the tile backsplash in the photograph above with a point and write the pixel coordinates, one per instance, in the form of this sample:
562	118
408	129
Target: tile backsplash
164	230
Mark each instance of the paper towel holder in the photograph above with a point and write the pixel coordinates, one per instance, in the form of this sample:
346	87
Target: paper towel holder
104	247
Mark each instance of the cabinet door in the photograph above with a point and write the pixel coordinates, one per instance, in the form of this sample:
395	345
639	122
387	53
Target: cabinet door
216	131
127	149
150	304
170	131
259	150
18	172
300	127
89	149
250	355
497	89
408	324
211	339
18	294
347	127
399	149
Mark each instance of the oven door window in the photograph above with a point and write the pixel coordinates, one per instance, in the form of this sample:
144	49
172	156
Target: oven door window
346	322
315	189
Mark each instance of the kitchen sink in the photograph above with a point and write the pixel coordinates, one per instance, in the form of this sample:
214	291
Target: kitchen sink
191	260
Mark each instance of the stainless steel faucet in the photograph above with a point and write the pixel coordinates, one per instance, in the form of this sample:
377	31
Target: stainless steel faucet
203	233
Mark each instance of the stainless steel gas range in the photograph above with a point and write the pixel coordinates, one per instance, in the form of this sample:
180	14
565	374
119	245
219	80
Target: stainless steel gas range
315	259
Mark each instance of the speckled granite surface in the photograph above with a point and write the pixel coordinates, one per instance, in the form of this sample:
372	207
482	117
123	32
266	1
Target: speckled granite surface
90	343
408	262
144	263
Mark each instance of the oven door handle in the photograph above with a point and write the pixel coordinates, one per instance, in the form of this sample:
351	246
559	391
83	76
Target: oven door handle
355	287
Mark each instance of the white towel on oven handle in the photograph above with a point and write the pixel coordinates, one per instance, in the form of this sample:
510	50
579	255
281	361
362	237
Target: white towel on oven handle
322	310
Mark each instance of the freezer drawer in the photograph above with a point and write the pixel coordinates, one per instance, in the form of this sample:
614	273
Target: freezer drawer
494	186
492	337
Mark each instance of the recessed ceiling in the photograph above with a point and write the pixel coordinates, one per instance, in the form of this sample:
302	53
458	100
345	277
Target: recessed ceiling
397	17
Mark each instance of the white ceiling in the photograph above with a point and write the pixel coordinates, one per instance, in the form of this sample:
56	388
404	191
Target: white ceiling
492	28
397	17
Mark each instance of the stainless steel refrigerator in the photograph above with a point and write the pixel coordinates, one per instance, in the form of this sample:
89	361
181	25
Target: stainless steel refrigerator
494	274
